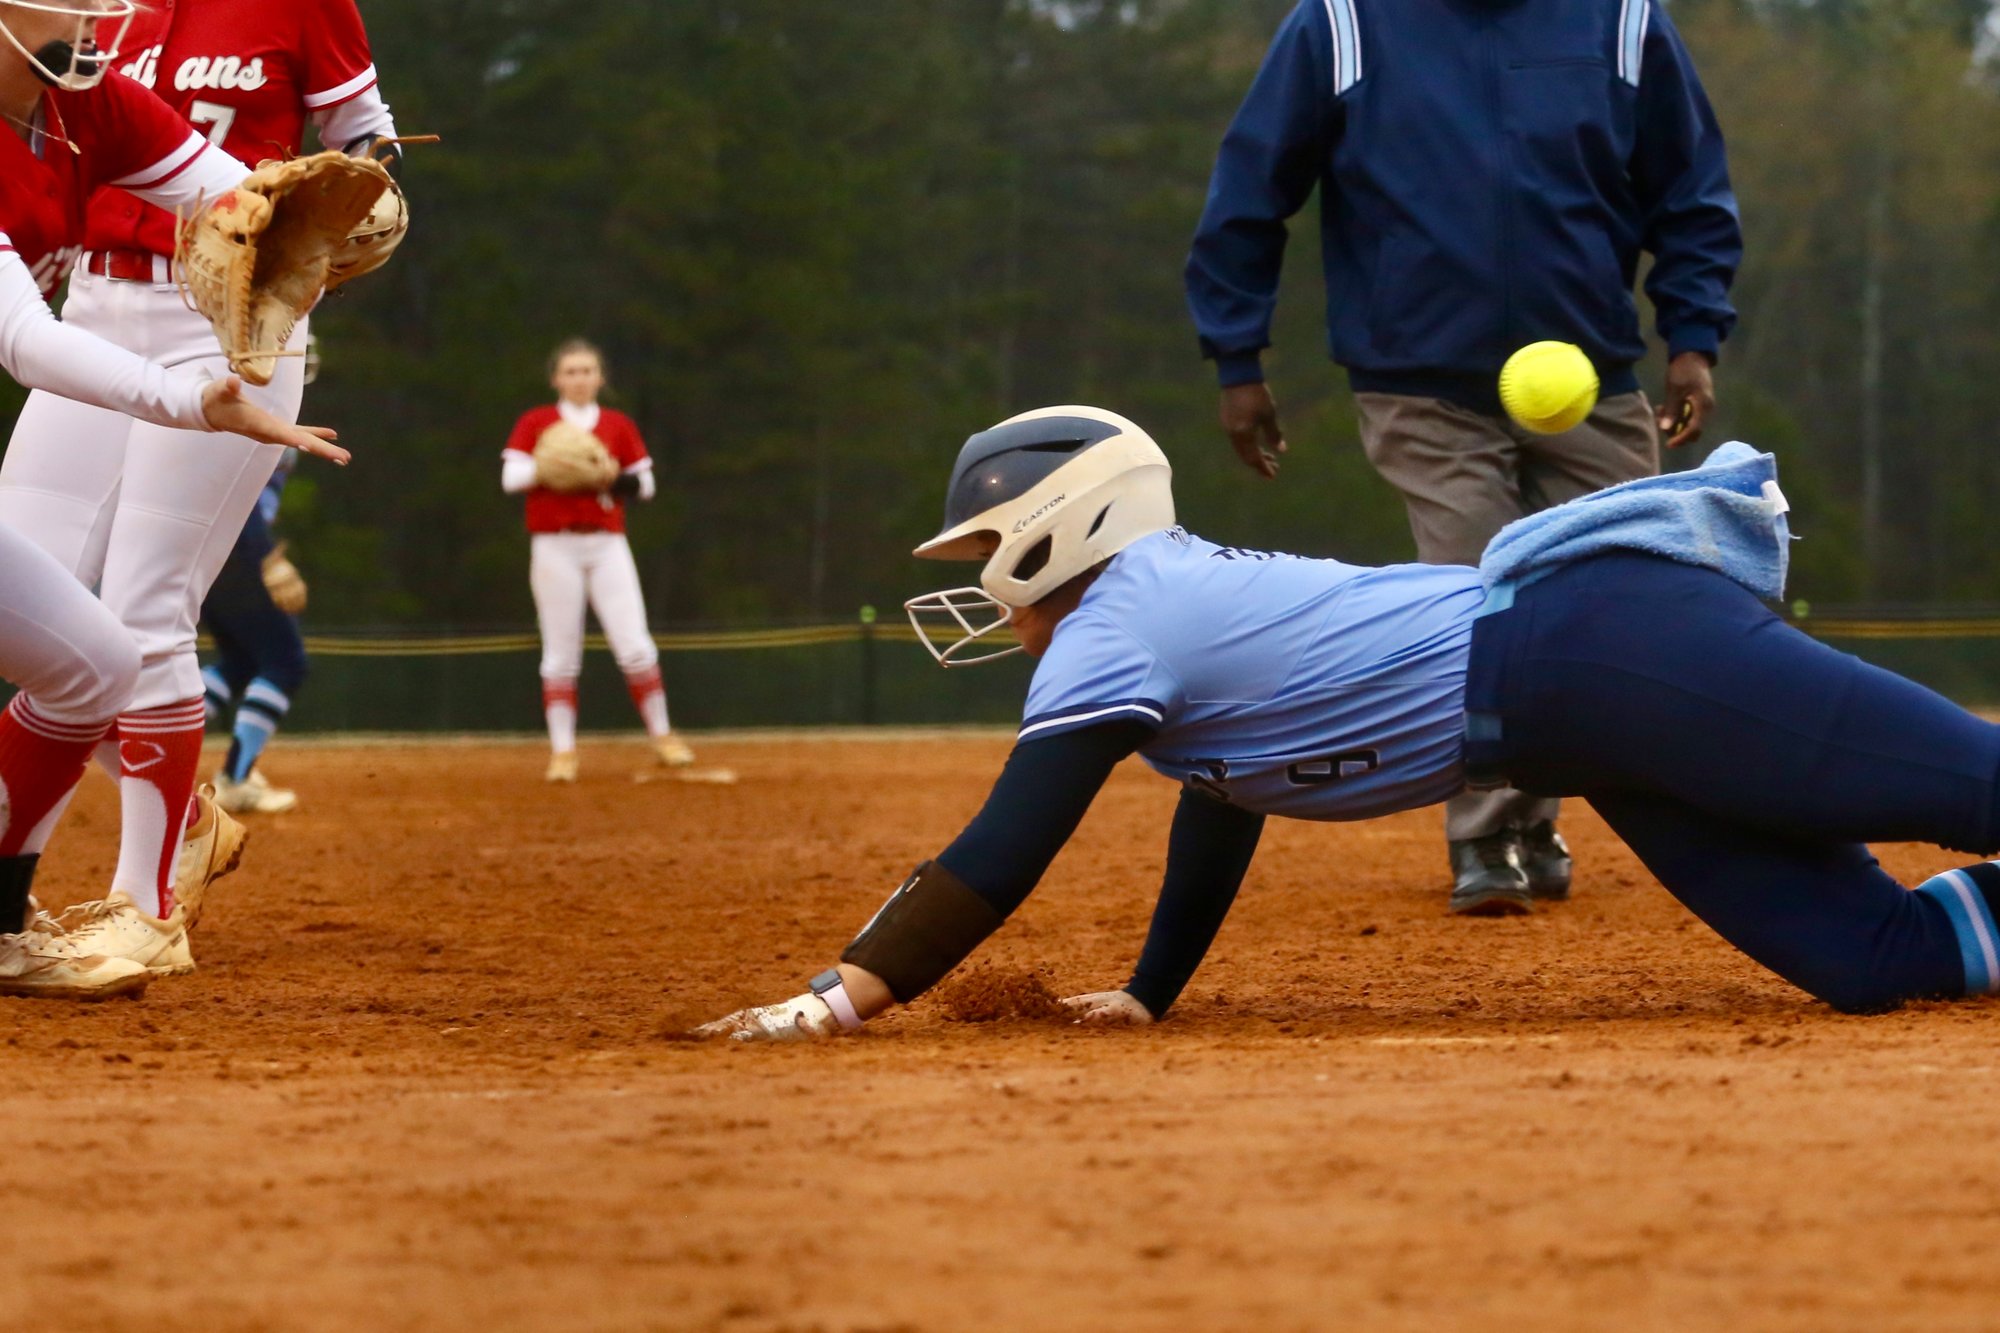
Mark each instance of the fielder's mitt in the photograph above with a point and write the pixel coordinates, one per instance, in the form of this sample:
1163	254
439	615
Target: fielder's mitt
284	582
255	261
373	239
571	460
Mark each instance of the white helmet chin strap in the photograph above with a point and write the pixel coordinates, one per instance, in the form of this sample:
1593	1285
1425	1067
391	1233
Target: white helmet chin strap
956	603
84	57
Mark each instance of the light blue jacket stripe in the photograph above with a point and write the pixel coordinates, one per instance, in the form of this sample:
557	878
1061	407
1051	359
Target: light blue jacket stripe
1978	940
1632	18
1341	19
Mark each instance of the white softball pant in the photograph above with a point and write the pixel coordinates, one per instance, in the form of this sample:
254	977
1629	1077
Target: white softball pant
145	512
569	570
58	643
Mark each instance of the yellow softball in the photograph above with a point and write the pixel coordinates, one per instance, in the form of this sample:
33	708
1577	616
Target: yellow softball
1548	387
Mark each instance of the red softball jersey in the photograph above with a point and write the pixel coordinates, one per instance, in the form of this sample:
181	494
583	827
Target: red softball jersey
116	131
549	511
246	73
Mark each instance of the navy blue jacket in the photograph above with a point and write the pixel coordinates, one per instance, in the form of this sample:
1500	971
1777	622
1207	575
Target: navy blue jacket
1489	172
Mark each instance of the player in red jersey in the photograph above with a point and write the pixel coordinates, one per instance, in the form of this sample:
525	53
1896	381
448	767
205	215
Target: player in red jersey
67	129
129	504
579	555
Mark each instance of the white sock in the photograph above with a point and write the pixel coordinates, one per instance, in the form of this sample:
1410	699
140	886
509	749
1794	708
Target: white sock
144	829
654	711
559	707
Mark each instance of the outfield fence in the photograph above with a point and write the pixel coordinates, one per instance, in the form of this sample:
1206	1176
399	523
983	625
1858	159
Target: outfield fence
860	673
863	673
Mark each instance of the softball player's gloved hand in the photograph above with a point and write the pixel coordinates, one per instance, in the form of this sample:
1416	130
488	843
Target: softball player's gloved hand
284	583
257	259
571	461
801	1018
1109	1008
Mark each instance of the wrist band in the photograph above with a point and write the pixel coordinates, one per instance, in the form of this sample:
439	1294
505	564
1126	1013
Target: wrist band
830	988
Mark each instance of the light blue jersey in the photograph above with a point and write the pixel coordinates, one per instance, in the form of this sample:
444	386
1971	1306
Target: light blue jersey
1281	684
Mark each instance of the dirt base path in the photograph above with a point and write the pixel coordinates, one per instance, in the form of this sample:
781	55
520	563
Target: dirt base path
426	1078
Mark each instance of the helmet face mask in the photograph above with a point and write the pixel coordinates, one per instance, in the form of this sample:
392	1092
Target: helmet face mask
80	61
1041	498
952	613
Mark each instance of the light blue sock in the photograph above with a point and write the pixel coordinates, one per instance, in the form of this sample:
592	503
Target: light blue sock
1968	896
214	695
257	717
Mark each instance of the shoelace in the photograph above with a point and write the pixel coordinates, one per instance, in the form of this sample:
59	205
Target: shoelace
42	937
50	936
90	917
39	921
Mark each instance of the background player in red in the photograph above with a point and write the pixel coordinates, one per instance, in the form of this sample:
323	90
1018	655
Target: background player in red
129	504
579	556
62	136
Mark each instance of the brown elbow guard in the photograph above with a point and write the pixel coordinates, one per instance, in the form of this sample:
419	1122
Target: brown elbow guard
928	927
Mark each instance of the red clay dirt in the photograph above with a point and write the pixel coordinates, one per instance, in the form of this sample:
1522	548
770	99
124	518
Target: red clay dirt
429	1076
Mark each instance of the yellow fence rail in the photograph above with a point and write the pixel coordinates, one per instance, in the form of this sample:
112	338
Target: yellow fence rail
690	641
1841	627
809	636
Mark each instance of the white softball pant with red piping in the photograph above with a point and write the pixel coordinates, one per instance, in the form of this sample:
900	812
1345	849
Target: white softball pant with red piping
568	571
147	512
58	643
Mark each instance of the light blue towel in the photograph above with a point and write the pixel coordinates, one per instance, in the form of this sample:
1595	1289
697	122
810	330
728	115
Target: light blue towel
1727	515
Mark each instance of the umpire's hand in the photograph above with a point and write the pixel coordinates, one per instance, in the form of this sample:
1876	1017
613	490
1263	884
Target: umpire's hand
1690	398
1250	416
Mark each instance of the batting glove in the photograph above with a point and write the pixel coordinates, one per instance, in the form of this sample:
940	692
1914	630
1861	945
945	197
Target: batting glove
801	1018
1109	1008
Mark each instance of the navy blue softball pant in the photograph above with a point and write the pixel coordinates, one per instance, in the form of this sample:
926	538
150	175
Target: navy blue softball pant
1748	765
253	637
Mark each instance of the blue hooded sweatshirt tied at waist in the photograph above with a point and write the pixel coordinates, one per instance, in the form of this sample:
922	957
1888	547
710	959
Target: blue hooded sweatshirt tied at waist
1489	172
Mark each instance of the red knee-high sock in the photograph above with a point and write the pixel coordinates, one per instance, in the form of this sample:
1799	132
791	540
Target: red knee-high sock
40	762
649	696
159	750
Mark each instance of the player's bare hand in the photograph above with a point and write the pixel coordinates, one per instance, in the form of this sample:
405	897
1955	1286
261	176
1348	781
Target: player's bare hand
801	1018
1690	398
225	407
1250	418
1109	1008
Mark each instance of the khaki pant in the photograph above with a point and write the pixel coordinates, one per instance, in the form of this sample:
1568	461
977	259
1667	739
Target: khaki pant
1465	475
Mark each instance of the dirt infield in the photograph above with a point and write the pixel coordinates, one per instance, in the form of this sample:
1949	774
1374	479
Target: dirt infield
427	1078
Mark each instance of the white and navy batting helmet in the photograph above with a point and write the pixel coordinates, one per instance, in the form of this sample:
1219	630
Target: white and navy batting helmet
1041	498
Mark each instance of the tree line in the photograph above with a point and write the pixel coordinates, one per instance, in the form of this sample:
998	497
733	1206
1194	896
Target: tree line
821	243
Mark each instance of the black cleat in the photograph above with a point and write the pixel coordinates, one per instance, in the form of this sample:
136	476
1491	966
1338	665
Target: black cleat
1488	879
1545	856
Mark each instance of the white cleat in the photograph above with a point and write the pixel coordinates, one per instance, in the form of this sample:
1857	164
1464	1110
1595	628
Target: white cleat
116	929
673	751
562	767
210	849
253	796
41	963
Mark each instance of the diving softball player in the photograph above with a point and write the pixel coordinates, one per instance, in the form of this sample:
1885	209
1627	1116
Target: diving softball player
1745	763
133	506
67	128
578	556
